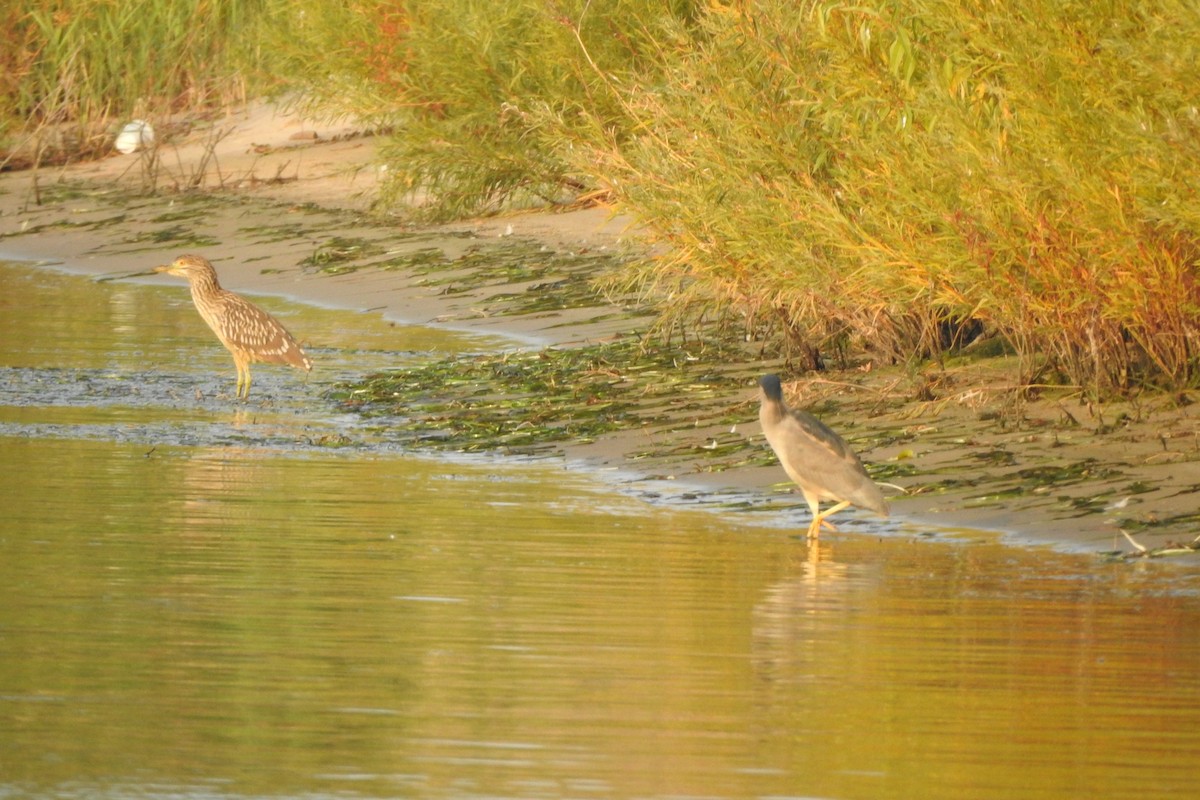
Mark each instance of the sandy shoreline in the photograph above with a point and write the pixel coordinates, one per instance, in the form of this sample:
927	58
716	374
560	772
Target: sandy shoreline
1053	471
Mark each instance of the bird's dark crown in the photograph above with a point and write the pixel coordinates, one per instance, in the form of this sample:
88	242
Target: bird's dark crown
771	387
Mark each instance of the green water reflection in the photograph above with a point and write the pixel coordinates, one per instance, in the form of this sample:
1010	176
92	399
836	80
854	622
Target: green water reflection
141	330
287	625
260	620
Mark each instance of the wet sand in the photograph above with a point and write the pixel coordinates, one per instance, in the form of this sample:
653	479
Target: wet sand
274	187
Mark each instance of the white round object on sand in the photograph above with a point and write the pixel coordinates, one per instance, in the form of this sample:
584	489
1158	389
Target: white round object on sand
134	137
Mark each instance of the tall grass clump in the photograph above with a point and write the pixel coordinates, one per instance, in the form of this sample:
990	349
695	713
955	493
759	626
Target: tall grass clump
475	93
901	176
72	68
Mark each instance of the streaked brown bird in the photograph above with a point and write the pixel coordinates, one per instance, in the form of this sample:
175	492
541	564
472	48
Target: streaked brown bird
249	333
816	458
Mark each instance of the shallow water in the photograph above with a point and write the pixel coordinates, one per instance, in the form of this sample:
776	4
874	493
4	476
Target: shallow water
203	600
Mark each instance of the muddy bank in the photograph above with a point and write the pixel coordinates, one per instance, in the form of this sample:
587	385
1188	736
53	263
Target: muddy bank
282	213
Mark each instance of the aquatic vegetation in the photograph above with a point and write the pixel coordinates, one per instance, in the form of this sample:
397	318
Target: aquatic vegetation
882	471
334	255
548	280
1059	474
995	457
65	191
418	261
1140	551
187	212
523	401
173	234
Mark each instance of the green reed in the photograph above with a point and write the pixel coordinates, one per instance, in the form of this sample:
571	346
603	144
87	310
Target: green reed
476	94
74	68
902	177
883	178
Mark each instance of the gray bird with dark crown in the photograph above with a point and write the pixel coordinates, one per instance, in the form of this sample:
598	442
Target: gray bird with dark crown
816	458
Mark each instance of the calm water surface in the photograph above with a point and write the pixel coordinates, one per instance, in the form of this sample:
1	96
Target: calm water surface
199	601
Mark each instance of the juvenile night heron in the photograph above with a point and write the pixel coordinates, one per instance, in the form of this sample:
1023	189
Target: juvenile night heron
249	333
816	458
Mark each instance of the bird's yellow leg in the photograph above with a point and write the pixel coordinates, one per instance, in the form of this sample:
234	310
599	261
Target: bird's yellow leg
243	377
819	519
814	505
